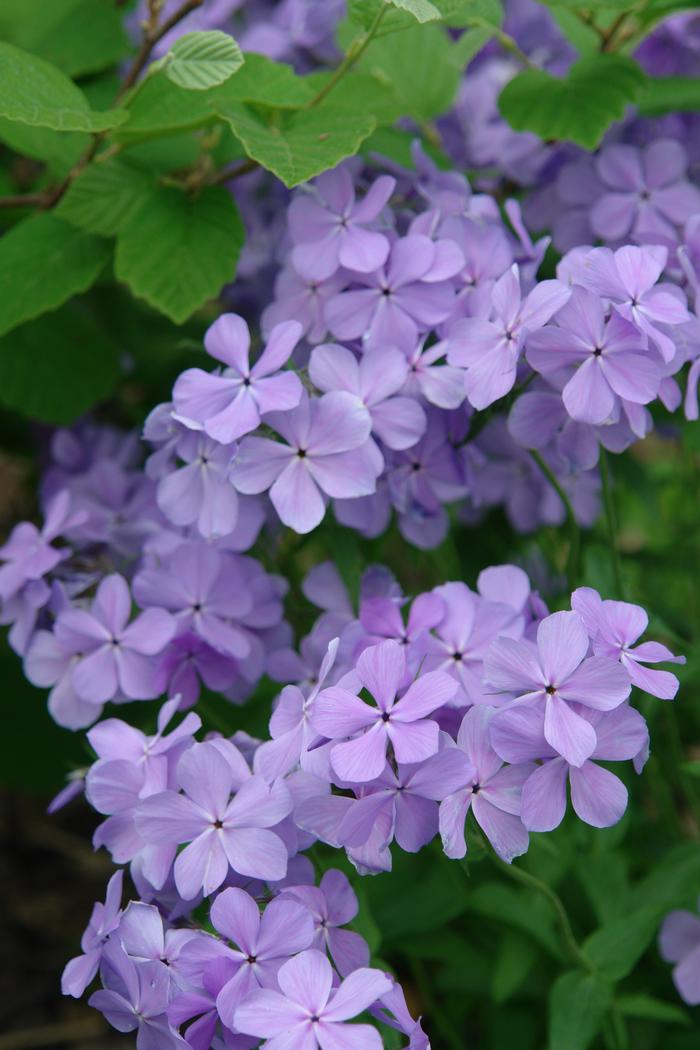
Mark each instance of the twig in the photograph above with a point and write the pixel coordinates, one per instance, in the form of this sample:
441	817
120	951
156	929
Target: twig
24	200
355	52
153	34
235	171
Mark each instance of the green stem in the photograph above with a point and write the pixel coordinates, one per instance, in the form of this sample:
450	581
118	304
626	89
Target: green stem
571	945
573	568
356	49
437	1016
611	524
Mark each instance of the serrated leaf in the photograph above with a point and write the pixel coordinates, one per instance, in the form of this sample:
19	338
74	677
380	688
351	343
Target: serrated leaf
43	262
35	92
103	196
646	1008
58	366
577	1005
301	145
577	108
616	948
463	13
59	150
78	36
201	60
416	65
163	108
176	251
469	45
670	95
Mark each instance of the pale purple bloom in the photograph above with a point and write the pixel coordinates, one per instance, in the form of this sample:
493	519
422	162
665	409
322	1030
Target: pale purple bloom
375	380
403	722
47	663
145	939
402	299
200	492
490	349
679	943
228	405
117	655
28	553
222	832
263	943
302	300
645	193
487	256
206	593
307	1013
614	627
628	277
381	618
187	661
325	451
553	677
135	999
440	384
332	905
329	227
611	358
598	796
79	972
491	790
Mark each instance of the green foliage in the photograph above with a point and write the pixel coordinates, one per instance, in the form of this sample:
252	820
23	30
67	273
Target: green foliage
266	82
161	107
298	146
201	60
418	66
615	949
58	366
35	92
421	10
577	1006
176	251
43	262
579	107
670	95
646	1008
78	36
103	196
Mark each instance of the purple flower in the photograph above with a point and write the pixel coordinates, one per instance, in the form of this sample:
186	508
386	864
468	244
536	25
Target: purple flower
228	405
614	627
646	195
263	943
441	385
628	278
490	349
28	553
222	832
487	256
553	677
328	226
332	905
145	939
492	792
307	1014
117	654
338	713
599	797
679	943
611	359
189	660
402	299
200	492
79	972
325	450
302	300
206	593
374	380
136	999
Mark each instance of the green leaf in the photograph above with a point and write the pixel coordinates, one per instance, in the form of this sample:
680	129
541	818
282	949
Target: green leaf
58	366
34	92
176	251
646	1008
517	908
163	108
670	95
266	82
616	948
417	66
579	107
577	1005
454	13
421	893
422	10
673	883
460	14
103	196
299	146
513	964
603	878
469	45
59	150
201	60
78	36
43	262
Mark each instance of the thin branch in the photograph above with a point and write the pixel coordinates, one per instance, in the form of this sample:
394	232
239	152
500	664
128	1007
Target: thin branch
574	533
152	35
24	200
355	52
234	171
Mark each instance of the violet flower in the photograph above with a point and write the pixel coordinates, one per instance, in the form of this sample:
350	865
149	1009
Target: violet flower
332	905
679	943
79	972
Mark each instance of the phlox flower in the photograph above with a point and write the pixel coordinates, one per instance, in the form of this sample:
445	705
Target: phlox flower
679	943
79	972
332	905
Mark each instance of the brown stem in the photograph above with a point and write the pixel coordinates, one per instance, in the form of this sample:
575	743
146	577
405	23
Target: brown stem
24	200
152	35
235	171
